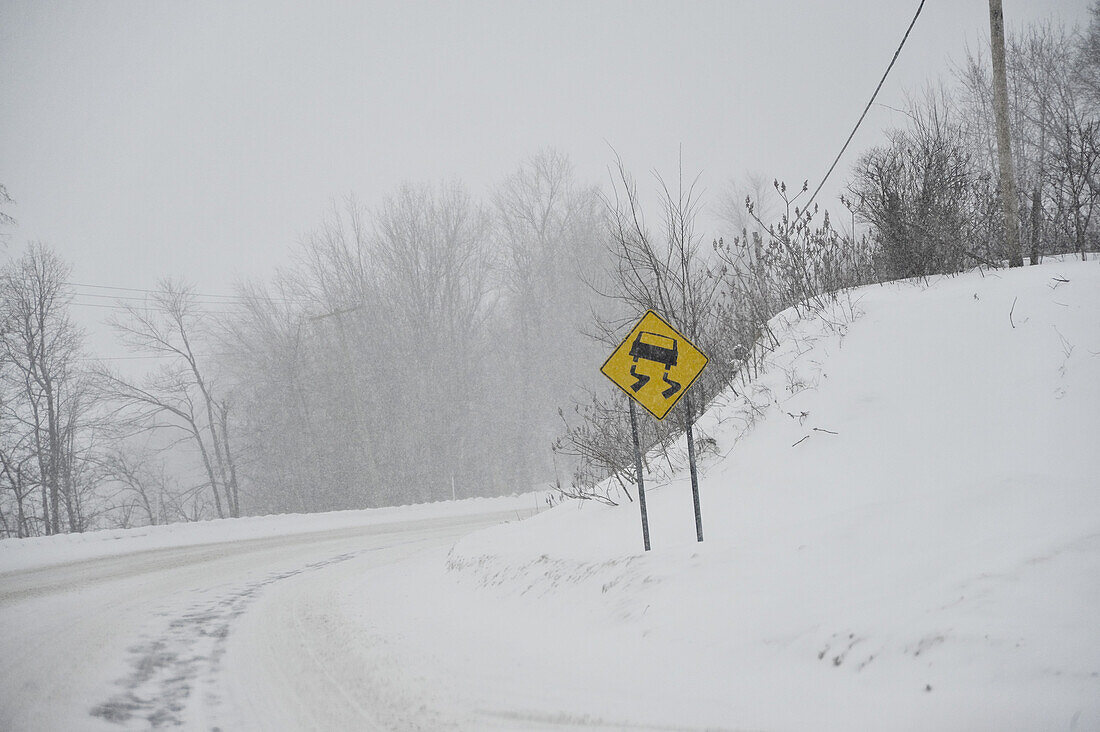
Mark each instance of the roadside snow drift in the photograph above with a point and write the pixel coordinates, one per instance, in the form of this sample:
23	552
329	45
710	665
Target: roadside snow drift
902	523
18	555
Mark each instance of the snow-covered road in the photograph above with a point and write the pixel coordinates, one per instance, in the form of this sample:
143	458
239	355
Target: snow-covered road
230	635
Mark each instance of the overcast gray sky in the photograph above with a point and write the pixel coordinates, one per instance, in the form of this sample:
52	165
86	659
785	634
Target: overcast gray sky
202	139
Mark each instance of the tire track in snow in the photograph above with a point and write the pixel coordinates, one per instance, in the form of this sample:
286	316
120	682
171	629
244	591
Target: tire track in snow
168	669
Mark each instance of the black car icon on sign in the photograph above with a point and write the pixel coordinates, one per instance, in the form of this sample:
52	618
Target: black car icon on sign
654	347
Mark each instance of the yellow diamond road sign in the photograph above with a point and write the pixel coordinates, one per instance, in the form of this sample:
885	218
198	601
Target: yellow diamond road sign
655	365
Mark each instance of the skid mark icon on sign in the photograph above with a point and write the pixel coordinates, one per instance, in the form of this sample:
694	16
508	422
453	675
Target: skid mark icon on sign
658	348
654	364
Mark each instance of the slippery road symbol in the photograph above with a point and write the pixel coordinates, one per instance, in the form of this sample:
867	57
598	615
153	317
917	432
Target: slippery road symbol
659	349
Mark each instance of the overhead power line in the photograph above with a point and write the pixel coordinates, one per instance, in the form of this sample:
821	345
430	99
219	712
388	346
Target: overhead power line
138	307
868	107
124	302
226	299
156	356
145	299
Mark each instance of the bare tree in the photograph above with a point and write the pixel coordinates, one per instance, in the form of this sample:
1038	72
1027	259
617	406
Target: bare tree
928	203
430	250
1088	53
41	347
551	235
754	191
284	417
1058	131
1055	122
181	394
5	218
365	375
144	492
17	478
668	271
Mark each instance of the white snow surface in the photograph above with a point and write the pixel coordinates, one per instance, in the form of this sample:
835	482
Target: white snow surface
902	523
928	557
42	551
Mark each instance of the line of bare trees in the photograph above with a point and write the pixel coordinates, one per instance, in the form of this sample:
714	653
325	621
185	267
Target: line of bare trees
929	196
414	352
82	446
418	351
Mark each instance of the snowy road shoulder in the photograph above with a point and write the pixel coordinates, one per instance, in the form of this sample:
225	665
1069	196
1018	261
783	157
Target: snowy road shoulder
23	554
138	641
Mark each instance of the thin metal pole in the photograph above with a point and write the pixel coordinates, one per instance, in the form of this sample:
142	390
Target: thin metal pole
638	473
691	467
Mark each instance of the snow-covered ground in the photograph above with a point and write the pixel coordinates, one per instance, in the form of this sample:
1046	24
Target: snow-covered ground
902	521
902	524
22	554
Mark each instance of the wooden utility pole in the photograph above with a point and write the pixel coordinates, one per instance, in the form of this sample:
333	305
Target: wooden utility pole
1004	139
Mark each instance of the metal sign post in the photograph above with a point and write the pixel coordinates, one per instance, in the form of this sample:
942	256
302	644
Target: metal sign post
691	467
655	365
638	474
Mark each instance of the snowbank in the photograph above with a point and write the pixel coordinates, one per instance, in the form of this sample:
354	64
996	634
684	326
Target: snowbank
902	523
19	554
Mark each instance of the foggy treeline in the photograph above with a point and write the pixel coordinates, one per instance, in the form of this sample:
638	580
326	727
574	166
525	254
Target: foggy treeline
437	344
418	351
414	351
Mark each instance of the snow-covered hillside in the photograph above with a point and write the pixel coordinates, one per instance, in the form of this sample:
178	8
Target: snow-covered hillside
902	522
